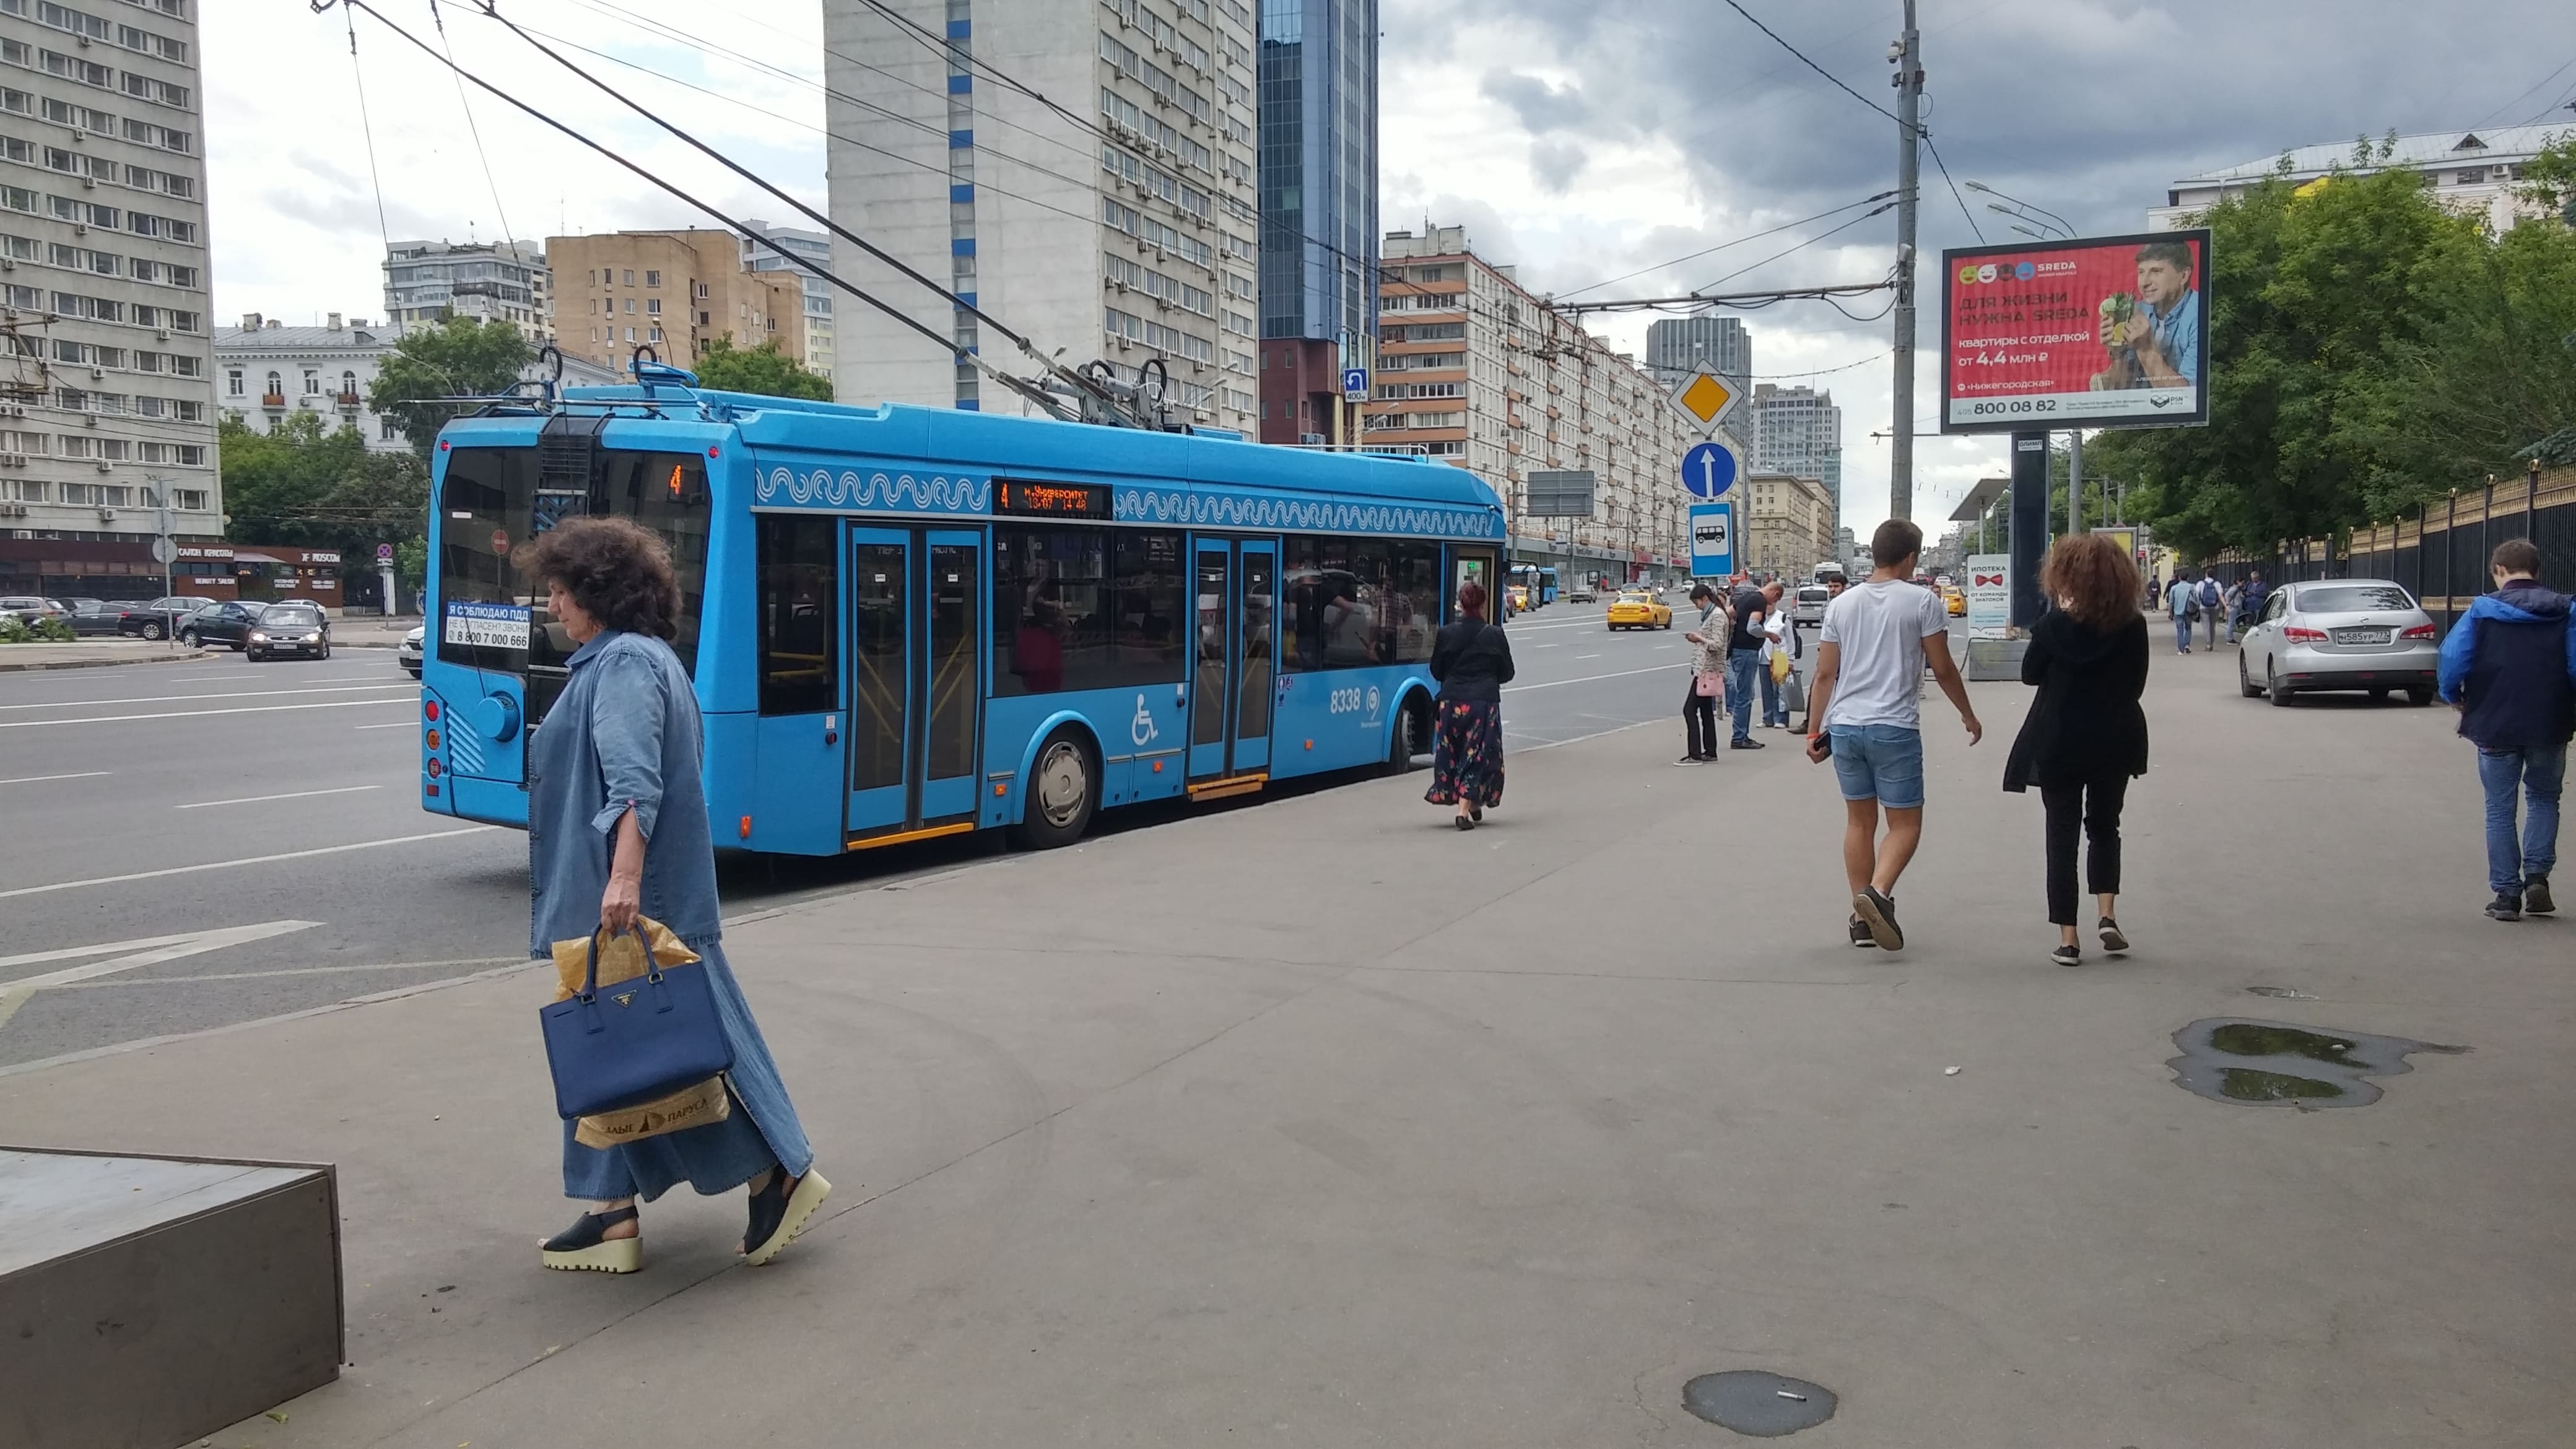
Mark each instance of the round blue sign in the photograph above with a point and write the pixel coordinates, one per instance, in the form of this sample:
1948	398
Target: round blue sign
1708	470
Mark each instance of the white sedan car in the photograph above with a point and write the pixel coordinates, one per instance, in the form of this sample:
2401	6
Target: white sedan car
408	654
2356	634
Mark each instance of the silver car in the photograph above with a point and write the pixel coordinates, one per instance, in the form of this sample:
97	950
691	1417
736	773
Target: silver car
2359	634
1809	609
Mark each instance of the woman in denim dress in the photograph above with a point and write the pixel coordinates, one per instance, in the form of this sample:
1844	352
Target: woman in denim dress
617	828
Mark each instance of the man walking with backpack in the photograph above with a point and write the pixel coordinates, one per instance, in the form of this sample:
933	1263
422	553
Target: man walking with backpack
2509	667
2212	600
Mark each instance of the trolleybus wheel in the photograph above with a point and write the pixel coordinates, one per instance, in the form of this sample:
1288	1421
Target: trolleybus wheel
1063	793
1405	739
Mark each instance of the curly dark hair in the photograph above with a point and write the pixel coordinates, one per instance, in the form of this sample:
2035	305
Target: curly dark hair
2092	578
618	571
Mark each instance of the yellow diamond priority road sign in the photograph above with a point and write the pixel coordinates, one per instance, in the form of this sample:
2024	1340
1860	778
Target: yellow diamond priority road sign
1704	398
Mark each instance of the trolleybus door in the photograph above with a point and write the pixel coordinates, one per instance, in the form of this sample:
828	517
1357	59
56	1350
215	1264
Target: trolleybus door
1235	586
916	678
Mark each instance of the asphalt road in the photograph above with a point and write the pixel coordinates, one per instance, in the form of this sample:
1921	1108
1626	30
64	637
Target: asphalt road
211	841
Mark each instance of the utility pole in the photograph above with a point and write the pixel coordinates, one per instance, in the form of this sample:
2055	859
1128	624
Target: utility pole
1908	55
2074	482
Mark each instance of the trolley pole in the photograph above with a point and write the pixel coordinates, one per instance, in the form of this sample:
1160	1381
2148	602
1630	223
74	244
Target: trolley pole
1909	141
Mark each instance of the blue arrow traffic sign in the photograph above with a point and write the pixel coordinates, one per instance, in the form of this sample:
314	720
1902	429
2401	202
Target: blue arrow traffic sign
1354	384
1708	470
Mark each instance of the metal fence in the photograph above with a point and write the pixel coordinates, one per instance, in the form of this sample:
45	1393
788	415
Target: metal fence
2441	553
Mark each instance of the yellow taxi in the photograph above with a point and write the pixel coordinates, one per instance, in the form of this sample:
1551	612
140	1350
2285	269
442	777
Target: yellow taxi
1637	609
1517	596
1956	601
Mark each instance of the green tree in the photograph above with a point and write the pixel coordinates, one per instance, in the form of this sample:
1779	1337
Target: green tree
764	370
2319	294
308	487
461	356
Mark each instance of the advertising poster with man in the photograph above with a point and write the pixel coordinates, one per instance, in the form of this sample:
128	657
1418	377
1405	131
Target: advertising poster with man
2098	332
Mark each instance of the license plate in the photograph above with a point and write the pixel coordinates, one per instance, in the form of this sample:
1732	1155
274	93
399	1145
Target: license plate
2361	636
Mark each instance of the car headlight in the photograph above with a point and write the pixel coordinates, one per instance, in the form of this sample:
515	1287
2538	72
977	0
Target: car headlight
258	638
312	638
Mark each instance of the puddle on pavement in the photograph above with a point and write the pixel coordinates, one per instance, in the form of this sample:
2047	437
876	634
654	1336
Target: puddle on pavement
1761	1405
2230	1059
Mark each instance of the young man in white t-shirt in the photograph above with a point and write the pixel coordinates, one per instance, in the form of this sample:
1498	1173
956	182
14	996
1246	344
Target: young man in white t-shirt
1862	714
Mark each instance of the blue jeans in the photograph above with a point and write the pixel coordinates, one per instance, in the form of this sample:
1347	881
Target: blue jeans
1742	666
1773	712
2541	771
2182	636
1879	762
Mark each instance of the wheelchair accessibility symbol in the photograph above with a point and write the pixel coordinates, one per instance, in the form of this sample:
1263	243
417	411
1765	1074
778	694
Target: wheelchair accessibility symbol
1142	730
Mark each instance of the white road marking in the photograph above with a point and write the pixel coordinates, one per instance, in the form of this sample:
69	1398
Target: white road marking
263	799
1586	679
400	724
83	775
30	724
299	971
191	698
1579	658
149	951
73	885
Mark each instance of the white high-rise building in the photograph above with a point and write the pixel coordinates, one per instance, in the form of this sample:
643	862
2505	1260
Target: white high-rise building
106	385
489	281
1799	430
1125	231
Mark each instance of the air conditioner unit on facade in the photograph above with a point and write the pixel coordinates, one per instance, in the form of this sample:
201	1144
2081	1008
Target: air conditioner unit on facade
105	466
163	334
107	515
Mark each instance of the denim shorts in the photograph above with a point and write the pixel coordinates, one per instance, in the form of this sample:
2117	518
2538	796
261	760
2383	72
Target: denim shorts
1879	762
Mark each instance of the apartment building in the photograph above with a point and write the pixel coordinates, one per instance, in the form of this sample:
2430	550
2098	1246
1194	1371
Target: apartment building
426	282
672	291
2474	173
106	387
1677	347
1125	232
1476	370
761	256
1798	430
270	372
1787	525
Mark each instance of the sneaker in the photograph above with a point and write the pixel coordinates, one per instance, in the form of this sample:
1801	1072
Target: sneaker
2505	907
1861	938
1880	912
2114	941
2067	956
1747	743
2536	900
1694	760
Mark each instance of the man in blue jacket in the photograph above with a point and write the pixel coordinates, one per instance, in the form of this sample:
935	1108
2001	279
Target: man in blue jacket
2509	667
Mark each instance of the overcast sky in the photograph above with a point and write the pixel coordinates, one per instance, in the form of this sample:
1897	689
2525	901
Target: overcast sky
1579	139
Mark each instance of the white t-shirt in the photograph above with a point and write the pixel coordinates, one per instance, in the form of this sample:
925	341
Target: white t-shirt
1880	628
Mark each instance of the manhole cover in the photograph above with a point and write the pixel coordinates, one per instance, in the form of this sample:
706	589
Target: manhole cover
1763	1405
2229	1059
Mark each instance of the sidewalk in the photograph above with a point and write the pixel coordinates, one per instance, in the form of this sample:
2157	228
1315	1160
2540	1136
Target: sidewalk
1320	1123
88	654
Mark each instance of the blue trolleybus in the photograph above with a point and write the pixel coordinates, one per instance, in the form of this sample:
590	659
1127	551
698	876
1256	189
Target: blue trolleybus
909	622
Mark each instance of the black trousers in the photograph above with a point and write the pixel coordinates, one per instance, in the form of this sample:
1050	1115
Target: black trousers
1699	718
2091	809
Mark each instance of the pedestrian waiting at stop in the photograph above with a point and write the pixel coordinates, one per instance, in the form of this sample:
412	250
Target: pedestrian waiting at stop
1864	714
1472	661
1781	652
1750	608
2085	736
1708	678
2509	667
2182	601
617	832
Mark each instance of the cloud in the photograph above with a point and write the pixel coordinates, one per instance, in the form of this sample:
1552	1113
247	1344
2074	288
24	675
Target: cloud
1540	106
1555	164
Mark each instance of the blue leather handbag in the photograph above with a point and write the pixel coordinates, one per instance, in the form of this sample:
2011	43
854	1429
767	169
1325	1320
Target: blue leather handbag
639	1041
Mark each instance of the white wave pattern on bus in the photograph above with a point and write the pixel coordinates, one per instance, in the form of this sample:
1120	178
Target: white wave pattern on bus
850	489
1222	510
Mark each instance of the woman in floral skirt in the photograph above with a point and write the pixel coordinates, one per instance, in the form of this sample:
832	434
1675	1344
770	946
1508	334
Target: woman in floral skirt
1473	661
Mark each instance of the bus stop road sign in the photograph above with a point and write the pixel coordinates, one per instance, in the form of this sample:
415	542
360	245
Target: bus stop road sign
1712	534
1708	470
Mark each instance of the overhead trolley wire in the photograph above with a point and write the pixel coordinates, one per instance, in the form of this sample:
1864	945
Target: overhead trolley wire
1722	246
471	129
1017	384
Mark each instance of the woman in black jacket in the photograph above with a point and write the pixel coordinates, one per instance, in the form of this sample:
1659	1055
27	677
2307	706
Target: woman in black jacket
2085	737
1473	662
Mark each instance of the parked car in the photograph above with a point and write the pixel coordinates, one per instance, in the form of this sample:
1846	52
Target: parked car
96	616
295	628
160	618
1808	610
2362	634
228	624
408	654
30	608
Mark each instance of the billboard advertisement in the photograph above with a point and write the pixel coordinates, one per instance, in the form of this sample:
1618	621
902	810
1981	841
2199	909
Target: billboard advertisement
2100	332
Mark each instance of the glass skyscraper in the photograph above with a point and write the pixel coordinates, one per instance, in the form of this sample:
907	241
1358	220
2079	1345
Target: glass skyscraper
1318	109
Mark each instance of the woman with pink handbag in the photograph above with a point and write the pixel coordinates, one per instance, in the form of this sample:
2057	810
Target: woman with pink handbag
1708	676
